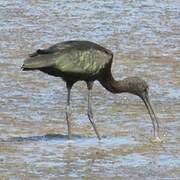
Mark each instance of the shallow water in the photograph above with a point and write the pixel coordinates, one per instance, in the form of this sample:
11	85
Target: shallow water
145	38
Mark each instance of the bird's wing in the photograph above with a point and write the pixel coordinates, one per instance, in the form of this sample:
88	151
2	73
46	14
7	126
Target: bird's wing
70	57
89	61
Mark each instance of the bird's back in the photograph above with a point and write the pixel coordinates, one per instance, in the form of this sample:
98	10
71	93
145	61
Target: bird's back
71	57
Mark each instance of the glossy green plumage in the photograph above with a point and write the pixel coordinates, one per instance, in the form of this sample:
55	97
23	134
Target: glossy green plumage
70	57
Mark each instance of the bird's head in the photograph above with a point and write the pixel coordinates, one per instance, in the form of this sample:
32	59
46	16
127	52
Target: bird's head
139	87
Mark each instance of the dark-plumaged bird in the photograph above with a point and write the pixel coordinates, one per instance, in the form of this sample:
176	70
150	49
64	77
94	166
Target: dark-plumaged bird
87	61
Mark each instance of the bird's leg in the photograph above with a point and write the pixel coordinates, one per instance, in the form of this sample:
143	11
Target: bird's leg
68	110
90	113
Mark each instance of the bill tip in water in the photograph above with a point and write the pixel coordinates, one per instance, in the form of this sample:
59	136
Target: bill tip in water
156	140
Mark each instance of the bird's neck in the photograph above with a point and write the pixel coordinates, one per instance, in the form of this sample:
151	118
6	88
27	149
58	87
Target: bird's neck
115	86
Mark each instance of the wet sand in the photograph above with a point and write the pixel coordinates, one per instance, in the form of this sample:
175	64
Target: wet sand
145	39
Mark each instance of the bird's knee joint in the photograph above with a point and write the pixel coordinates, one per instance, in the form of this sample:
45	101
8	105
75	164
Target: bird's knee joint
90	114
68	111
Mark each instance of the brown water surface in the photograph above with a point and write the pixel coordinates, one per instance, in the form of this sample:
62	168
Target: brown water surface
145	38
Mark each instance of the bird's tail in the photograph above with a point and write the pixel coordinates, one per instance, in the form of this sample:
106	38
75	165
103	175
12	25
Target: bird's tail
32	63
25	68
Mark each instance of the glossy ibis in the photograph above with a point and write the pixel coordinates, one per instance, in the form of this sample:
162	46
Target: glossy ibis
87	61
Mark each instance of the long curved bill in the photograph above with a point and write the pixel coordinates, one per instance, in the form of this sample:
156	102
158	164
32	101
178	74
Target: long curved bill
154	119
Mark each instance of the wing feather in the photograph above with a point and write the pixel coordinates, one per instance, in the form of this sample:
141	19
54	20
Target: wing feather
82	62
81	57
